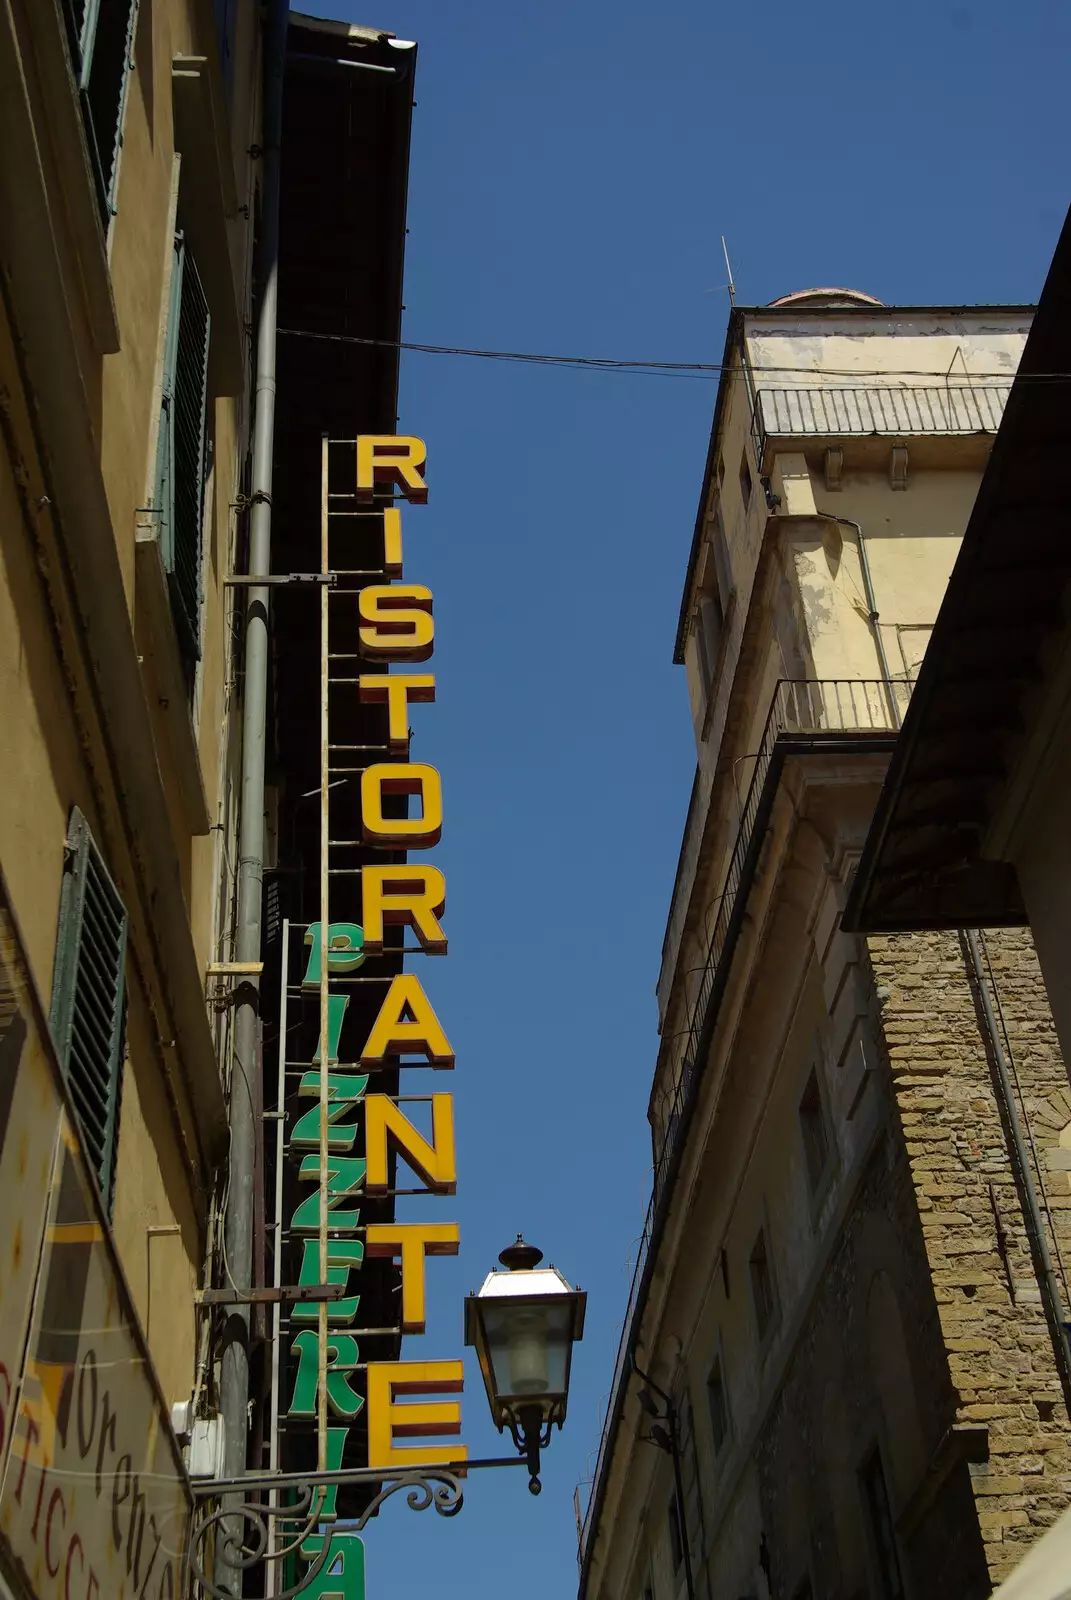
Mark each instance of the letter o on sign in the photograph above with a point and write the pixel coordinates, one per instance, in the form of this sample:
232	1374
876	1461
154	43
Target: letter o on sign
401	778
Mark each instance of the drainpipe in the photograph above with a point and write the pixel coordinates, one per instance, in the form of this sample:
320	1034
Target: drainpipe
1047	1280
872	609
673	1439
238	1224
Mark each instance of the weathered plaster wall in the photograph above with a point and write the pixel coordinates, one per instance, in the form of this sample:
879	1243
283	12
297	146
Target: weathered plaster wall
918	347
54	751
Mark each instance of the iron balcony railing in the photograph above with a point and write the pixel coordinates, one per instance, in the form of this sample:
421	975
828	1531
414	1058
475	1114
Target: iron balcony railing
810	709
893	410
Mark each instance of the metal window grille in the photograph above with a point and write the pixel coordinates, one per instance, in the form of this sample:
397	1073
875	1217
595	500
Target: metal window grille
183	451
101	38
88	997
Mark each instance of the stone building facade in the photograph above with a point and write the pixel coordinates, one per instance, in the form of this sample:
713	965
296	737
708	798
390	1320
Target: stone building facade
843	1372
998	1342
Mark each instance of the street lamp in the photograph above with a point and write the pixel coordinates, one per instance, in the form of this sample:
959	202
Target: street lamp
523	1324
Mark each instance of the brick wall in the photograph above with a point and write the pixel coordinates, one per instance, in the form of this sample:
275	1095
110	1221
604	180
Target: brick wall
998	1342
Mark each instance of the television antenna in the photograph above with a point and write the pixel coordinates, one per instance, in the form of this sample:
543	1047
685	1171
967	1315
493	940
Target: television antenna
731	286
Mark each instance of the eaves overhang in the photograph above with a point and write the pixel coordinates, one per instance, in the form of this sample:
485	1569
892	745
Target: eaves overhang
923	865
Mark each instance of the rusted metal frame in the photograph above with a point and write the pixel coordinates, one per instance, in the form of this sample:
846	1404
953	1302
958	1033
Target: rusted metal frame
239	580
270	1296
325	922
277	1260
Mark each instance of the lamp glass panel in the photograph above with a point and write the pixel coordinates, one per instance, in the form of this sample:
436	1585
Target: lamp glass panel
528	1344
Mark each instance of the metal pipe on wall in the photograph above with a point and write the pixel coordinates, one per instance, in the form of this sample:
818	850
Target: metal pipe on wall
1047	1280
238	1222
872	608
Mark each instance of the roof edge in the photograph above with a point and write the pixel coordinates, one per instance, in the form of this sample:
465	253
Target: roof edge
334	25
732	339
880	309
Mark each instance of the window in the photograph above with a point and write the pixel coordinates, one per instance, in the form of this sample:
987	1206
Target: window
101	37
88	1010
182	456
880	1525
762	1290
718	1401
676	1534
709	626
713	600
815	1135
745	481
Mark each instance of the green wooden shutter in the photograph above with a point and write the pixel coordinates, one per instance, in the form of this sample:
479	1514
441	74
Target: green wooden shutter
182	453
101	37
88	997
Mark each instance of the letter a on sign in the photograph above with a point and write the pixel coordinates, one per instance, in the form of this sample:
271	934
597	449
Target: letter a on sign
342	1574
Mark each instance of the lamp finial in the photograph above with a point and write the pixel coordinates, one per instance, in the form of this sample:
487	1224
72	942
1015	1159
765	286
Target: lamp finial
520	1257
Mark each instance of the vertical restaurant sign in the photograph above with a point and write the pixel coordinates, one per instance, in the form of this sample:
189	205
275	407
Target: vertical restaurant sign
95	1502
395	627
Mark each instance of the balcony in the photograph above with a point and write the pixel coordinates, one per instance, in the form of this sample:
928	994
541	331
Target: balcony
809	715
894	411
807	709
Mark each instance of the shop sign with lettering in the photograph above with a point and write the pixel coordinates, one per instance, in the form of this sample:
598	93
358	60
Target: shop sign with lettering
409	1403
95	1502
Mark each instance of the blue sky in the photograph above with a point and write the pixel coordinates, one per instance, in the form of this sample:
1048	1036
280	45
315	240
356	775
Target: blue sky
573	169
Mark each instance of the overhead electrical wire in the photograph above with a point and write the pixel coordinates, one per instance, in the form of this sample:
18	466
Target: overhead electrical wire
703	369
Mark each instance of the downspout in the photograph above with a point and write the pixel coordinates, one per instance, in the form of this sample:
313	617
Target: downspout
238	1224
872	610
1047	1280
678	1483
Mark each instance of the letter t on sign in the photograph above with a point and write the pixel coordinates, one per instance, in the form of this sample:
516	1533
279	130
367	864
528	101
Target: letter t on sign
412	1241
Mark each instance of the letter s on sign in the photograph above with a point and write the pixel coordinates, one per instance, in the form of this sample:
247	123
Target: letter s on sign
396	623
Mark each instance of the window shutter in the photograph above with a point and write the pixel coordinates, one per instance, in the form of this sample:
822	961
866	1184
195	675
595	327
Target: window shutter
183	448
88	997
101	37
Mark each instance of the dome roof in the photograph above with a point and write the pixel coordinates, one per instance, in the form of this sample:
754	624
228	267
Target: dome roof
827	297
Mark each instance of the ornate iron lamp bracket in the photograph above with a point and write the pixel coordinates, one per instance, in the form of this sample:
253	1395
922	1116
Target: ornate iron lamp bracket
243	1527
